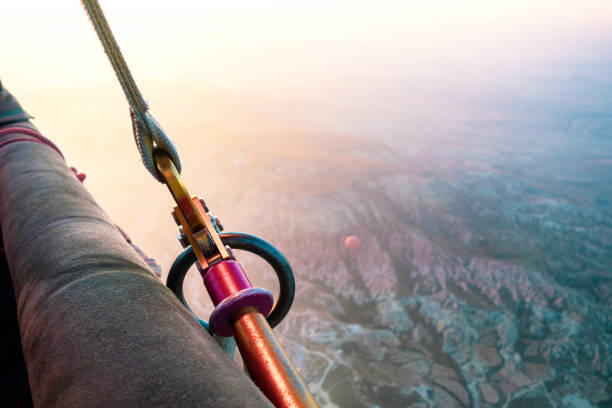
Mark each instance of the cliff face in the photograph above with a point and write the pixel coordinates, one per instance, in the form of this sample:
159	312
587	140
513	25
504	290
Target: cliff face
483	276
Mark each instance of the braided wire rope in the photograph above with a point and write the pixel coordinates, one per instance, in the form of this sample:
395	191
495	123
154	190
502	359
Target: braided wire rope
148	134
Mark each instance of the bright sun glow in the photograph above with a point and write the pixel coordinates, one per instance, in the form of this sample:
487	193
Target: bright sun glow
192	57
245	44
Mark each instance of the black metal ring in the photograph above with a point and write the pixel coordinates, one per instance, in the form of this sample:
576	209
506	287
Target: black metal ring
250	243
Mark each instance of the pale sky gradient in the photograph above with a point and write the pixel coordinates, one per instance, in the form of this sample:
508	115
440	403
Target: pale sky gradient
206	65
263	44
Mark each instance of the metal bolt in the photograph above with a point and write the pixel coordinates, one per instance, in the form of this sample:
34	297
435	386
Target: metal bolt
174	216
204	204
219	225
183	238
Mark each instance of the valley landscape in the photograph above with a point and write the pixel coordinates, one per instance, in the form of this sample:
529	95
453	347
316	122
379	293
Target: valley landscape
483	274
467	145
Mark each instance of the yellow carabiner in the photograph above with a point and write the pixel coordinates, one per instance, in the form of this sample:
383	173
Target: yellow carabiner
191	215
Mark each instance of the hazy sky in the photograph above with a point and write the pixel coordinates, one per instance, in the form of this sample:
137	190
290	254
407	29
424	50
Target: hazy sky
317	52
205	65
272	45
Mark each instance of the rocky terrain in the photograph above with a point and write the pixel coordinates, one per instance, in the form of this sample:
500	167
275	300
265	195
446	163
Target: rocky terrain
484	212
483	277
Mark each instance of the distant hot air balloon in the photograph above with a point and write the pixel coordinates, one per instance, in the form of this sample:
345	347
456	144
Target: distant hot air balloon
352	243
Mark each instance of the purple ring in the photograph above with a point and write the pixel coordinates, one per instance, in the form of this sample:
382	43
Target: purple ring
221	319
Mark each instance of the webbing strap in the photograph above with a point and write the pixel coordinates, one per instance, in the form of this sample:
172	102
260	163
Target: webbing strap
148	134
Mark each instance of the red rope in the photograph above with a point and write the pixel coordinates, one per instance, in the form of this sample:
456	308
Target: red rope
23	134
20	132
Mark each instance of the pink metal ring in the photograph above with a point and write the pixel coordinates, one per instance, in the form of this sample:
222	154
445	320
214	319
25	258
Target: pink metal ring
222	318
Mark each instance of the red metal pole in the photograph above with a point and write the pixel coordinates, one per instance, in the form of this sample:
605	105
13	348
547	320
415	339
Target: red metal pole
267	363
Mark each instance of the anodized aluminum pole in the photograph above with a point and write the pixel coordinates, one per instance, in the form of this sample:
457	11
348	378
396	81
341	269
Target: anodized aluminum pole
239	310
267	363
